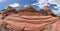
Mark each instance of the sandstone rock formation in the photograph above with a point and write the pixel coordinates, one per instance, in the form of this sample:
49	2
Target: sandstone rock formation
27	19
9	10
29	8
29	23
47	11
18	10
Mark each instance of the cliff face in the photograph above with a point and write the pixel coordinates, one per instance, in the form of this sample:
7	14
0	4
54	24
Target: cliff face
29	23
27	19
17	22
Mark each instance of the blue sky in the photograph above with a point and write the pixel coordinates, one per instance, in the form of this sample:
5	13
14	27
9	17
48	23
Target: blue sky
37	4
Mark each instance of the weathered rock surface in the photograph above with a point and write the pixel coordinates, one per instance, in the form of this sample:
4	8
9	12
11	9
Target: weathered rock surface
29	23
28	19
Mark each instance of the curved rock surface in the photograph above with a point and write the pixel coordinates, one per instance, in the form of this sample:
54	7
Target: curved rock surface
28	19
30	23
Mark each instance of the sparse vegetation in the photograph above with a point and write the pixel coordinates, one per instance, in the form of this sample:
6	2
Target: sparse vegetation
4	27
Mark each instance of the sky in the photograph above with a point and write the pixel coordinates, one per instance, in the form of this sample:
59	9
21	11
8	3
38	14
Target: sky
37	4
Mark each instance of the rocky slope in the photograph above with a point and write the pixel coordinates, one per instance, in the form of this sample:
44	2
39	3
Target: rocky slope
29	23
27	19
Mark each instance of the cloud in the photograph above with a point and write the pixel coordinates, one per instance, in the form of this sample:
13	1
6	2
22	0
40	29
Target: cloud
55	11
53	1
41	3
1	1
57	2
25	5
14	5
58	6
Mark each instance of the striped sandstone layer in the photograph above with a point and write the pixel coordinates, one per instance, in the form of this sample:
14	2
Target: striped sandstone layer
30	23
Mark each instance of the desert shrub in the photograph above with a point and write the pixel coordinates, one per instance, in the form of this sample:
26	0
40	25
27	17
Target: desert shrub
4	27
